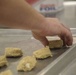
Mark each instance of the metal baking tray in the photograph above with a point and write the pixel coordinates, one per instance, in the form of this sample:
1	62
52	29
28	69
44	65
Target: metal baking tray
65	64
28	46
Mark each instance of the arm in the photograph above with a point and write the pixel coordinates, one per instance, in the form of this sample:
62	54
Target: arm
19	14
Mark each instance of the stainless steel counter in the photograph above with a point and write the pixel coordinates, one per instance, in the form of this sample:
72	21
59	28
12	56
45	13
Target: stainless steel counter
24	40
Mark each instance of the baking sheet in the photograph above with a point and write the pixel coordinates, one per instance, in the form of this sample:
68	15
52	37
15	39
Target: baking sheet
28	46
63	65
70	69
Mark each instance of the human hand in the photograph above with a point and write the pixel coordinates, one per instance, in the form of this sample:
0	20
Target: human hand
52	27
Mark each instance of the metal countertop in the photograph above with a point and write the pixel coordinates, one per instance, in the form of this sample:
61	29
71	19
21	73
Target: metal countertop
24	40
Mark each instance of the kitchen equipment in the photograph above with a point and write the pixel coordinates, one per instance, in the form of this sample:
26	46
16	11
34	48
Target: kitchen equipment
63	65
28	45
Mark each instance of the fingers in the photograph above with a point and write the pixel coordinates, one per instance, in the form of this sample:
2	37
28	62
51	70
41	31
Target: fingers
42	39
68	39
65	27
66	36
63	38
54	27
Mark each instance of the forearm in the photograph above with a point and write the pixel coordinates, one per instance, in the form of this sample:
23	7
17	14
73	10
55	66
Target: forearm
19	14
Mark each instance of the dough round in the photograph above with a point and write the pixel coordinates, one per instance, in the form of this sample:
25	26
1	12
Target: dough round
43	53
3	61
55	44
27	63
13	52
8	72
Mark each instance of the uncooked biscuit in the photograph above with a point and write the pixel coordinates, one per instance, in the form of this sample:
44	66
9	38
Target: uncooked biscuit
43	53
3	61
13	52
8	72
55	44
27	63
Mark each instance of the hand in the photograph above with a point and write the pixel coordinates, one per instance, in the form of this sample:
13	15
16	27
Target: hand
52	27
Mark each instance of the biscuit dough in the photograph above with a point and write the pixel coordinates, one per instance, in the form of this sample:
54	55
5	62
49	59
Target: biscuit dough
43	53
27	63
13	52
55	44
8	72
3	61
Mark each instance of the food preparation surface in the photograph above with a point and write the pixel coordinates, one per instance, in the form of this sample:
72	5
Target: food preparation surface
63	65
28	46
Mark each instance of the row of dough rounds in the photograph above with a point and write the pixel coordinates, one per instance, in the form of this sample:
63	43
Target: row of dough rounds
26	63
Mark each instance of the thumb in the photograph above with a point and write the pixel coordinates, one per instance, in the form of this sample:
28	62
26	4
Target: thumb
42	39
